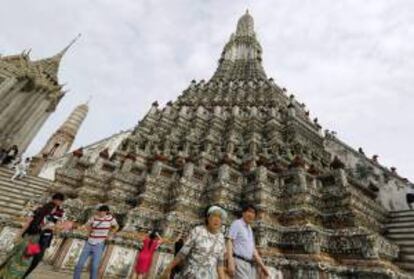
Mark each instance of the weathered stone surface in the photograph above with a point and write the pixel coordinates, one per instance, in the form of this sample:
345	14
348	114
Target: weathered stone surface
29	94
234	139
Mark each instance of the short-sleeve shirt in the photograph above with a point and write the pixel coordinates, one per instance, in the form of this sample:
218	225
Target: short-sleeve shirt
22	166
100	228
204	252
243	239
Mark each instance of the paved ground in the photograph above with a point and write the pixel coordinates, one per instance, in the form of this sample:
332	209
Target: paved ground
46	272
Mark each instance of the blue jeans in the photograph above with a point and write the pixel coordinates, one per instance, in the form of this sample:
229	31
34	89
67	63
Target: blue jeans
90	250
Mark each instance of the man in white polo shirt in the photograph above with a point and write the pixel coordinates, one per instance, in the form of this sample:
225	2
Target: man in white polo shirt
241	248
99	227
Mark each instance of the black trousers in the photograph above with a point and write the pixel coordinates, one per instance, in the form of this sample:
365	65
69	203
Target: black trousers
35	262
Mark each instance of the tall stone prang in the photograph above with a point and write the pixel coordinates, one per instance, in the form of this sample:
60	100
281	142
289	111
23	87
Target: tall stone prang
61	141
238	138
29	94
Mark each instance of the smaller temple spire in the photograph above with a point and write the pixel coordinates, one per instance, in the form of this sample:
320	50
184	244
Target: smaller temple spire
61	141
89	100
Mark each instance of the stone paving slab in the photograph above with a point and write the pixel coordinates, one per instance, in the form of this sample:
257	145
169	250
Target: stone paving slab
46	272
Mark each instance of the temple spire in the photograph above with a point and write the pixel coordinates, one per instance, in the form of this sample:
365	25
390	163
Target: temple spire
60	54
50	65
241	57
245	25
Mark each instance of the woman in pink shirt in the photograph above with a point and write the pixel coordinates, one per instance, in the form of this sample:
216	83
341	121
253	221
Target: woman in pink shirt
144	258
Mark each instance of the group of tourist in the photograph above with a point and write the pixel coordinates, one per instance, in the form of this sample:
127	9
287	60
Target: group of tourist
10	158
37	234
36	237
205	253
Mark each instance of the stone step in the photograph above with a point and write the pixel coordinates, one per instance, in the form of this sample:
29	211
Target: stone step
26	192
14	195
401	223
403	242
4	216
25	180
408	224
406	229
407	249
406	265
19	194
48	272
24	183
398	219
402	236
22	187
8	173
12	205
5	197
15	199
407	257
9	211
401	213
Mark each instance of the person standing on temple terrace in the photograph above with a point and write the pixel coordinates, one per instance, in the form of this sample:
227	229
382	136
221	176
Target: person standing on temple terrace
27	246
99	227
11	155
144	258
203	250
177	247
3	153
410	196
21	167
241	249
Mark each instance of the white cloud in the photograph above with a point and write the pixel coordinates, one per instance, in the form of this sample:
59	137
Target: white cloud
350	61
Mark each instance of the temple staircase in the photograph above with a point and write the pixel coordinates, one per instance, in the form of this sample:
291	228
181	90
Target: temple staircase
15	195
400	230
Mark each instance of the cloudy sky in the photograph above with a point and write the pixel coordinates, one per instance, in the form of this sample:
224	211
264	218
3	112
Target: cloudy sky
351	62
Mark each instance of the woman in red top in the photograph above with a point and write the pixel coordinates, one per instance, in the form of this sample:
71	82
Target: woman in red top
144	258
